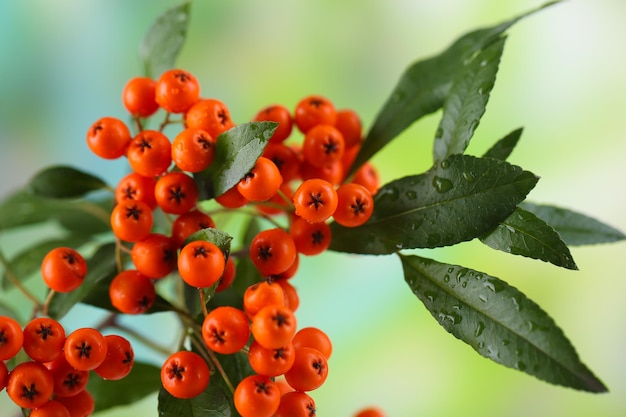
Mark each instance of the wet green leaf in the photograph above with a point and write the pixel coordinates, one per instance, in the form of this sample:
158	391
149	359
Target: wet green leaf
236	152
424	85
28	261
503	148
498	322
461	198
466	102
573	227
213	402
143	380
64	182
523	233
164	40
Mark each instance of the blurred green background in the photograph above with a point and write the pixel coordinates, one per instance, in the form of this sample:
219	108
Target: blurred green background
63	64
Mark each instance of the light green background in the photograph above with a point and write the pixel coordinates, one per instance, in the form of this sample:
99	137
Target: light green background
63	65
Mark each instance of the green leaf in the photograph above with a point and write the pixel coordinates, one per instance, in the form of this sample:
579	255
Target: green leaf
575	228
503	148
23	208
26	262
64	182
424	85
466	102
162	43
461	198
218	237
236	152
497	321
213	402
143	380
523	233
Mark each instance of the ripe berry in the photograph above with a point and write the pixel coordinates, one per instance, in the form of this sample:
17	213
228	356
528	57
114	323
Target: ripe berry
85	349
315	200
68	381
256	396
176	193
314	338
189	223
310	238
370	412
272	251
138	97
314	110
63	269
274	326
296	404
323	145
226	330
131	220
52	408
131	292
177	90
309	370
355	205
260	295
201	263
262	182
280	114
30	385
11	337
136	187
154	256
149	153
193	150
119	359
210	115
44	339
185	374
108	138
349	124
271	362
80	405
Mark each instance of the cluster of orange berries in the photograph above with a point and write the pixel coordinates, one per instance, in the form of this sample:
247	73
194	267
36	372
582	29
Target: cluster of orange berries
53	382
162	178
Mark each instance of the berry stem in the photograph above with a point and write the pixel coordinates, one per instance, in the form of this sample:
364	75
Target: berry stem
203	302
46	302
16	282
111	321
213	359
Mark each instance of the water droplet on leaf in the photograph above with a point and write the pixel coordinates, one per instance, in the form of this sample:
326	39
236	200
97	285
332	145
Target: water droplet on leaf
442	185
480	327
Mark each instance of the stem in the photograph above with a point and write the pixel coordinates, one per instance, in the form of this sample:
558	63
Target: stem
16	282
118	255
96	211
46	302
165	122
212	358
138	123
203	301
111	321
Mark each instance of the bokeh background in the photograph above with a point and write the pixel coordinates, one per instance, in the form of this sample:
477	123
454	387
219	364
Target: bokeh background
63	64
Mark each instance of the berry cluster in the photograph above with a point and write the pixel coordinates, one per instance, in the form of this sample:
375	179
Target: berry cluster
53	382
287	362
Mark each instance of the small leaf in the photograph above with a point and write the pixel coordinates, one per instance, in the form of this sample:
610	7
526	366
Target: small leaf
466	102
503	148
523	233
28	261
498	322
218	237
143	380
236	152
461	198
213	402
23	208
162	43
64	182
423	87
575	228
101	267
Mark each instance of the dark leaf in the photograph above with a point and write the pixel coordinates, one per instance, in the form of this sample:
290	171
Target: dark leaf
503	148
523	233
23	208
101	268
143	380
28	261
162	43
236	152
498	321
213	402
218	237
575	228
461	198
466	102
424	85
64	182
